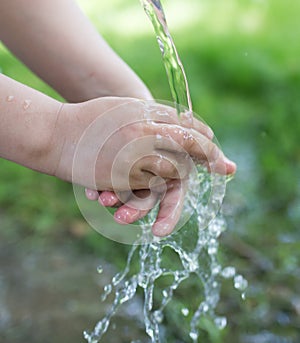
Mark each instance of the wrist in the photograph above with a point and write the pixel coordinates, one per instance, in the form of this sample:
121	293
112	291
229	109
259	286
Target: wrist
72	122
27	125
62	144
44	146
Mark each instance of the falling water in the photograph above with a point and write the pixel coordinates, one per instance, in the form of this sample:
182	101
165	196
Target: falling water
196	244
173	65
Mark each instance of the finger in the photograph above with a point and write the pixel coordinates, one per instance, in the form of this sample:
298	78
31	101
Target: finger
170	209
136	208
109	199
160	113
168	115
188	120
230	166
114	199
91	194
166	165
192	142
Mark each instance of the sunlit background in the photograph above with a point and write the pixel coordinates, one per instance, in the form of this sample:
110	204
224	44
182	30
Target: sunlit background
242	62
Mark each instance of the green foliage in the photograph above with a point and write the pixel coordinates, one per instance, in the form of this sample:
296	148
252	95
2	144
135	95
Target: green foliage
38	202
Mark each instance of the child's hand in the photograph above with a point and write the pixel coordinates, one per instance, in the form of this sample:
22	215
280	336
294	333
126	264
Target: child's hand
132	210
146	136
110	199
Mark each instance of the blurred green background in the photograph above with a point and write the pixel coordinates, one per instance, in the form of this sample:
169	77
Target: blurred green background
242	62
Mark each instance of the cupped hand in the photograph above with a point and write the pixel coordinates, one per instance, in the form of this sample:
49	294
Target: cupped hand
195	138
110	199
120	144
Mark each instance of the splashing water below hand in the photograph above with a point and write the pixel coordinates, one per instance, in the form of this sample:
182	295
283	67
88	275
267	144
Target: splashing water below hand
196	244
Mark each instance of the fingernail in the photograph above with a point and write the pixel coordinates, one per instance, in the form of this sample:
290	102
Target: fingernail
124	216
107	200
230	163
119	218
91	194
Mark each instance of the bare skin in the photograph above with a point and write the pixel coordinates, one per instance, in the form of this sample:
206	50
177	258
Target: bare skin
64	49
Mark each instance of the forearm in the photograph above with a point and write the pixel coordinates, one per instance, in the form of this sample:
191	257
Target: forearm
27	120
57	42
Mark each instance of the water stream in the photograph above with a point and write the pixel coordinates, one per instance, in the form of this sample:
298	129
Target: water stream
175	71
196	244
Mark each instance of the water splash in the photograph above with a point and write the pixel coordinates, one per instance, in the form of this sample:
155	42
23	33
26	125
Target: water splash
196	247
196	244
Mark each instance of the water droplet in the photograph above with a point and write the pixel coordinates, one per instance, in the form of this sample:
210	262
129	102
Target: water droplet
185	311
216	228
99	269
205	307
216	270
193	265
158	316
107	290
220	322
156	239
26	104
186	135
86	335
194	336
157	179
212	247
142	280
215	284
240	282
10	98
165	293
228	272
187	117
117	279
